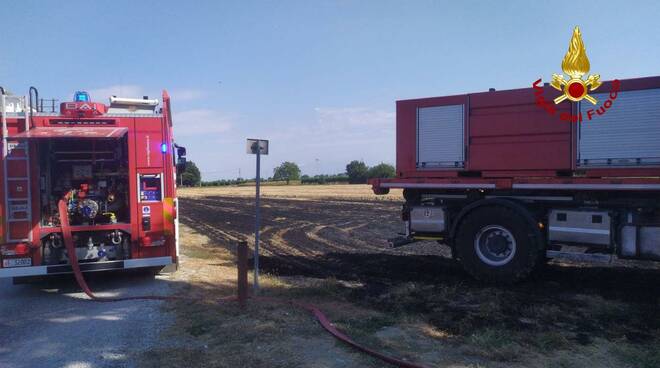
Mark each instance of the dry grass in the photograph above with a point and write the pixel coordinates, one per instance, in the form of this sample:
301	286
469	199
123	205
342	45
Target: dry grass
220	334
441	319
337	192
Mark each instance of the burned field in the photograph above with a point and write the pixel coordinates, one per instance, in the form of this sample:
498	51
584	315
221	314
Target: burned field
301	235
565	315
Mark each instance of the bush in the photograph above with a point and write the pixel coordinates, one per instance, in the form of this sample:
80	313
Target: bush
286	171
357	172
223	182
191	177
382	170
324	179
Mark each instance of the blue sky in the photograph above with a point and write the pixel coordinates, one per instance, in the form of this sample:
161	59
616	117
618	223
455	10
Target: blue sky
317	78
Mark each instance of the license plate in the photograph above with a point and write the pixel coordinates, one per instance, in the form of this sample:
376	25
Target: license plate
17	262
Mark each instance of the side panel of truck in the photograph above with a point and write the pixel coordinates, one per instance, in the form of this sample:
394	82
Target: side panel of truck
506	182
507	134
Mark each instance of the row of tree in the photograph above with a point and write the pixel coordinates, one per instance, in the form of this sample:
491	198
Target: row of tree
324	179
357	172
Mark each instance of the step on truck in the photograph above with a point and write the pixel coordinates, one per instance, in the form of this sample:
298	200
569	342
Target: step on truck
112	165
508	185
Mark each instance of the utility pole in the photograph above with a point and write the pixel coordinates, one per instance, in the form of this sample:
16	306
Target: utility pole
257	147
257	224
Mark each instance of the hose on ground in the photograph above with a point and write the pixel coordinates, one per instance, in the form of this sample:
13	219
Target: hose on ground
318	314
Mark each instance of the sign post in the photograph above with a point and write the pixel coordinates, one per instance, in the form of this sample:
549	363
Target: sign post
257	147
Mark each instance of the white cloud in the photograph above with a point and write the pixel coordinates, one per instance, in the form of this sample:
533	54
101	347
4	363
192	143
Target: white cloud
337	136
342	126
324	144
200	122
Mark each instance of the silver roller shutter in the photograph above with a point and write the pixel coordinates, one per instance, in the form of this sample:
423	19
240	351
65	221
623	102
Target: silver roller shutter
628	134
440	140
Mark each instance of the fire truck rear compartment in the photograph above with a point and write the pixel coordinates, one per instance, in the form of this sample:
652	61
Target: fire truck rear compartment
92	174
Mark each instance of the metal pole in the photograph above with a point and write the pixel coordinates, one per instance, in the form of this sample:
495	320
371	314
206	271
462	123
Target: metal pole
256	223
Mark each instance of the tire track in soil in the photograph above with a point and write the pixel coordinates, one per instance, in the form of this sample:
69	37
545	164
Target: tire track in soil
301	236
348	240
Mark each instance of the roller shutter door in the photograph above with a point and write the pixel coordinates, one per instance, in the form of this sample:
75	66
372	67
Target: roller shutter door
628	134
440	141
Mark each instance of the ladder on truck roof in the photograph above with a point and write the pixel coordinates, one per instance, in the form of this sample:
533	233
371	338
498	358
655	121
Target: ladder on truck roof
16	174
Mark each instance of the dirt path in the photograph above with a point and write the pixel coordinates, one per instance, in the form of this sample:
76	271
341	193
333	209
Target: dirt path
49	325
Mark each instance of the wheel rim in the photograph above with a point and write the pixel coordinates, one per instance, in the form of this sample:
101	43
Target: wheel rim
495	245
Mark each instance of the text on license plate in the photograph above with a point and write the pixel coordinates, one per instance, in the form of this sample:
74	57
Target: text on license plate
17	262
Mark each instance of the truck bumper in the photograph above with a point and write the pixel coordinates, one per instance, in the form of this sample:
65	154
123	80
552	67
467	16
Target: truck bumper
87	267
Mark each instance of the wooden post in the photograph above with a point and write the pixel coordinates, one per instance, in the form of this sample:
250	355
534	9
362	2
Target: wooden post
242	252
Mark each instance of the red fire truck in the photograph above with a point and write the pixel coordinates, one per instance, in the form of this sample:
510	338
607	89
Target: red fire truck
113	166
507	183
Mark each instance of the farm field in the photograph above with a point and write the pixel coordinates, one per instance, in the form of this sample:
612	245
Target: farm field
328	245
310	192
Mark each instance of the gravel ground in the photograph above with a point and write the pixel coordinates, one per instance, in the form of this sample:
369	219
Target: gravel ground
47	324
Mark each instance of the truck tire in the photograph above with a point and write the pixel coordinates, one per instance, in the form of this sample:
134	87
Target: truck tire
497	244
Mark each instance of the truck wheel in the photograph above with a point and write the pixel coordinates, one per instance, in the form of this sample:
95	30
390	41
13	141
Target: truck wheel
497	244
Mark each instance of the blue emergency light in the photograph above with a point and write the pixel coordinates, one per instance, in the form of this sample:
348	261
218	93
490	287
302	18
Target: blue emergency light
163	147
81	96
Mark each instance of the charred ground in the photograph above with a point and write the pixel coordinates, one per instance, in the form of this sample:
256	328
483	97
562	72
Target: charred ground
565	312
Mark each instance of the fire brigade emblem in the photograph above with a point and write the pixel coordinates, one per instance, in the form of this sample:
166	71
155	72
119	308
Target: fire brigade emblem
575	65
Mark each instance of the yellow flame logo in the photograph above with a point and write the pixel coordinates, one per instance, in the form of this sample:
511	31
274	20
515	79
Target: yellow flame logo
575	64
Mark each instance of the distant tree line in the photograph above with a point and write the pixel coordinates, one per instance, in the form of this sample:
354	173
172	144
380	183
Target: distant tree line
324	179
357	172
224	182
